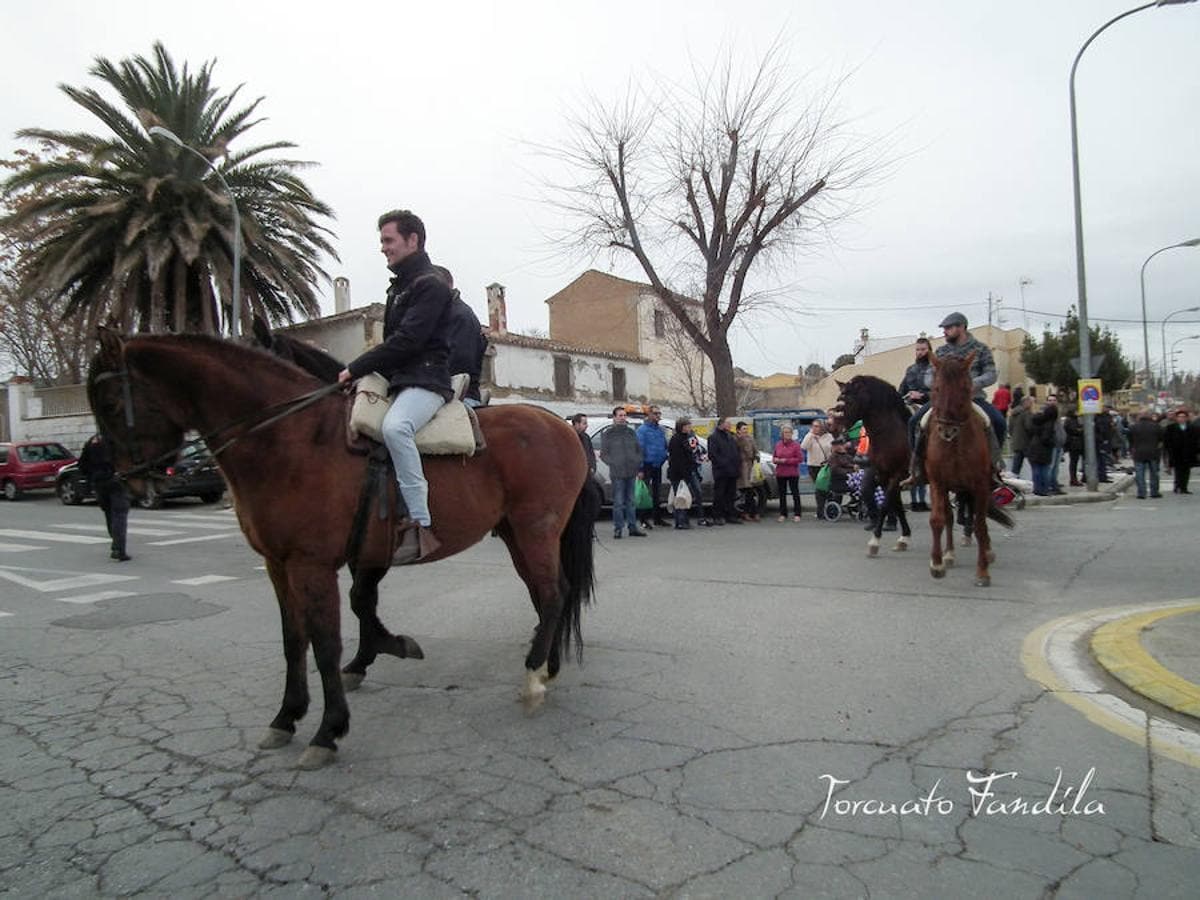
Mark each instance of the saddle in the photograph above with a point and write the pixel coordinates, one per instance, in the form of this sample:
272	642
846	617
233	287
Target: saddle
987	423
454	430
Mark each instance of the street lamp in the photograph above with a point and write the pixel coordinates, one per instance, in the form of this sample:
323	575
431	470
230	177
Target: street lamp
1194	242
1085	337
1190	337
1164	335
236	308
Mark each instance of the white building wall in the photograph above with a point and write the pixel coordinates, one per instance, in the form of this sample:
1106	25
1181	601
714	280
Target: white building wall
531	370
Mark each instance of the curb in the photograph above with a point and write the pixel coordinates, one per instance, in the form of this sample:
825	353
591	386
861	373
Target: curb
1109	492
1117	647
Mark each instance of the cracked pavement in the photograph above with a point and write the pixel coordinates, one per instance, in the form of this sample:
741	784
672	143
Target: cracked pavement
726	672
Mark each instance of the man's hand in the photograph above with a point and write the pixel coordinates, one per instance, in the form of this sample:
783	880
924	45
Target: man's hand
344	376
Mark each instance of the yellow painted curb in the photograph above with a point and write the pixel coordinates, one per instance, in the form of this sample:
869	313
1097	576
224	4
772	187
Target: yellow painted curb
1117	646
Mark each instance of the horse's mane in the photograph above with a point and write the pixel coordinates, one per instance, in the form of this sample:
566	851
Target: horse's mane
311	359
878	394
229	353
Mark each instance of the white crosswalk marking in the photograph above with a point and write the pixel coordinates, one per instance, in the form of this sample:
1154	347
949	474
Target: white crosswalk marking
193	540
26	578
3	614
53	536
19	548
95	598
205	579
132	529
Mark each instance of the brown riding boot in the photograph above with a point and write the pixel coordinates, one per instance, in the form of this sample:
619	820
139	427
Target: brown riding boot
414	543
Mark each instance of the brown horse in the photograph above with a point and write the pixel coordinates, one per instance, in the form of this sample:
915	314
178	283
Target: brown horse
957	458
527	485
882	411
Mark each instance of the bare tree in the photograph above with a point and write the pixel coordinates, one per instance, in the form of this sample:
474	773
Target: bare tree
693	375
710	185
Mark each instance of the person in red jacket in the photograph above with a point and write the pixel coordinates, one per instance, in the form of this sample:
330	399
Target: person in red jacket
788	457
1002	399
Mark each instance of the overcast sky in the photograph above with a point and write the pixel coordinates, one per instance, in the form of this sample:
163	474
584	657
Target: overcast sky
436	109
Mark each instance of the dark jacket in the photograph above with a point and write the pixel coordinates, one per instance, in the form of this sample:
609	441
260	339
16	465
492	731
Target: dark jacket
96	463
1181	444
589	450
467	344
983	366
1020	426
914	380
1145	441
1040	449
416	331
620	451
725	455
681	462
1074	429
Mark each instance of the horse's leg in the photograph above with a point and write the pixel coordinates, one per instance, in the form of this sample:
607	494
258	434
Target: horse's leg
535	557
373	636
897	502
313	591
939	508
985	556
295	647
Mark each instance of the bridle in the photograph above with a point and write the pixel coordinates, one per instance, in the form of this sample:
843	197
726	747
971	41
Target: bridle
257	421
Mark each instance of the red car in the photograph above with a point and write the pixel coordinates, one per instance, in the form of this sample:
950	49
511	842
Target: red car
31	466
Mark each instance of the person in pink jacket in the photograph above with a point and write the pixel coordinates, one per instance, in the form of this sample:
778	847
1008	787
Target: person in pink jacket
788	457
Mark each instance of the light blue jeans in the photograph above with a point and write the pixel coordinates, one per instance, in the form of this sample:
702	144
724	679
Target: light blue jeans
1140	469
411	410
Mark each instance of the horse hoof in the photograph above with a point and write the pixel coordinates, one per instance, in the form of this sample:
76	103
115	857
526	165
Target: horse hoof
872	550
534	692
412	650
352	681
984	581
316	757
274	739
948	559
901	544
937	571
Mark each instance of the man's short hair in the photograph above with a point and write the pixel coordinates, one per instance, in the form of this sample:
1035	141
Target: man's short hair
617	409
925	341
578	417
407	222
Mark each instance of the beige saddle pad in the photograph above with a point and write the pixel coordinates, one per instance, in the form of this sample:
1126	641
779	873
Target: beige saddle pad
451	431
987	423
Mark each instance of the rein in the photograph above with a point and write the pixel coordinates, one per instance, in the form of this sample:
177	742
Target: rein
258	420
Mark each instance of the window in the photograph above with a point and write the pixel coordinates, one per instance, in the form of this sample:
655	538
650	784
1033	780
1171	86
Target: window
660	324
562	376
618	384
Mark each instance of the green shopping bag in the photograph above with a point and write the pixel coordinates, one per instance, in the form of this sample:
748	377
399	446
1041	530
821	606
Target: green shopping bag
641	496
824	477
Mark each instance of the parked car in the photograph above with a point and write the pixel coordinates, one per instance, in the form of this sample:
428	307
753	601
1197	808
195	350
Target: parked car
598	425
194	474
31	466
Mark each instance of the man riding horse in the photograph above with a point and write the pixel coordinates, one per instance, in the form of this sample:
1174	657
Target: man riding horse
414	358
959	344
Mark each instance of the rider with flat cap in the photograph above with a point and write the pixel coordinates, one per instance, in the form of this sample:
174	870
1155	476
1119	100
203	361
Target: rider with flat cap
960	343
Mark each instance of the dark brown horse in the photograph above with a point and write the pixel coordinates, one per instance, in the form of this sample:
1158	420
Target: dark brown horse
885	416
146	391
957	458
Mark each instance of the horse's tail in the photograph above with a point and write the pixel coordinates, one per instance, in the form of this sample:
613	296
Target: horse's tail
1000	514
575	560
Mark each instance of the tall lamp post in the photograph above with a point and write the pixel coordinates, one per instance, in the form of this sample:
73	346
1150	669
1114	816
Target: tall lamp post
1190	337
1164	336
1194	242
235	320
1085	336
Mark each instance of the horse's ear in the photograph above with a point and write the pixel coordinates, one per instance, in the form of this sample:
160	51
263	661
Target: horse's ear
262	331
112	344
970	358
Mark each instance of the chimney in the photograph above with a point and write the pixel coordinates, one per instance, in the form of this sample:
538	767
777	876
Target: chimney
864	335
497	312
341	294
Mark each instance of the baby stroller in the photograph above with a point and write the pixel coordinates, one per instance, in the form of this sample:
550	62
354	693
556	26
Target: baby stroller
844	498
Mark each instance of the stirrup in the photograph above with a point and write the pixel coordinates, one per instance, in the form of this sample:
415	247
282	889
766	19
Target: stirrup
414	543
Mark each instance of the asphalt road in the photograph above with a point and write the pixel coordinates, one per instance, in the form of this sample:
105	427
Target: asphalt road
762	711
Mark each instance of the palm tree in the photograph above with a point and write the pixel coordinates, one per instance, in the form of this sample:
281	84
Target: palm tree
138	231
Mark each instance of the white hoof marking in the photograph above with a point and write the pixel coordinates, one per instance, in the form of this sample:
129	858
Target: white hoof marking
901	543
534	692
